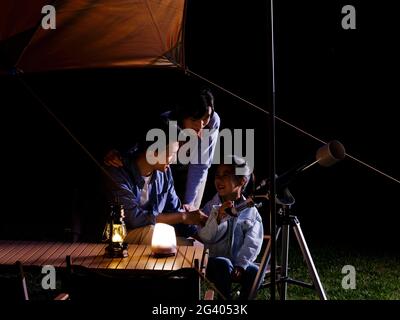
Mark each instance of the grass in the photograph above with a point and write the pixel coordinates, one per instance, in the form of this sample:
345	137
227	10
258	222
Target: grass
377	275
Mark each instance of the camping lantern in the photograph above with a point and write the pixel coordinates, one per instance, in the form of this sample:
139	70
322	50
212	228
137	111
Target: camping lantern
163	243
115	233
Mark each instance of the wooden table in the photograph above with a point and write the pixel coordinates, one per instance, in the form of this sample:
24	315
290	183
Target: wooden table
91	256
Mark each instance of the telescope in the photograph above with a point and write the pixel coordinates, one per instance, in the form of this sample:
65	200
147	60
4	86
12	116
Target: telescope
325	156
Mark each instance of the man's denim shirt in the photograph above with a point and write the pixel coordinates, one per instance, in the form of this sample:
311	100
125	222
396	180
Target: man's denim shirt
127	189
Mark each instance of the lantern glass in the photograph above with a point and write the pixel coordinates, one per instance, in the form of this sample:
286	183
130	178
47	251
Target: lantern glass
118	233
115	233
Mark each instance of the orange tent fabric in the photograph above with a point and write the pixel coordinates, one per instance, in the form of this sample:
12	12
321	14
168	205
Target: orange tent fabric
107	33
19	15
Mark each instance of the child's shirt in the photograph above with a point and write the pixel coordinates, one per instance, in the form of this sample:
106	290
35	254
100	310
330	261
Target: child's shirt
236	238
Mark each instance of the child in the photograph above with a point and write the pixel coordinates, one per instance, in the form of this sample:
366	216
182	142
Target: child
234	242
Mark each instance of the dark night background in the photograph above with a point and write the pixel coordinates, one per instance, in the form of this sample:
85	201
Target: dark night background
334	83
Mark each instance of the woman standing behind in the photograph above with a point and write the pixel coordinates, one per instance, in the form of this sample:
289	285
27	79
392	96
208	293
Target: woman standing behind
197	113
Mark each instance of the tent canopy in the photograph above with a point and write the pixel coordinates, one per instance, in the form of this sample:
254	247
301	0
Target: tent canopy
14	19
96	34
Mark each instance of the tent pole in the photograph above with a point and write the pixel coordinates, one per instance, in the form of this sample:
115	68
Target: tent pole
272	165
272	186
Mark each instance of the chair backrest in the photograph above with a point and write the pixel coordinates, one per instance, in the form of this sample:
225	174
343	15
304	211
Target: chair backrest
175	286
13	284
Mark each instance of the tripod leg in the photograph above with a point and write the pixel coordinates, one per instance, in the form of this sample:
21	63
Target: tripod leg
265	261
285	261
307	256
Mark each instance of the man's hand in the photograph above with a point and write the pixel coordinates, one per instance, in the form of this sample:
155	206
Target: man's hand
113	158
237	273
195	217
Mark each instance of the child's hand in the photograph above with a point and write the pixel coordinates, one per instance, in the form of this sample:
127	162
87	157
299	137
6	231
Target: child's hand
221	212
237	274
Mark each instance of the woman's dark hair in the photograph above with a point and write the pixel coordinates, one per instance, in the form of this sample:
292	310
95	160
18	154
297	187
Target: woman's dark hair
193	103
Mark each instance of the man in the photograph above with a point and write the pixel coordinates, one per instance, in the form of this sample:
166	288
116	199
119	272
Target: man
145	187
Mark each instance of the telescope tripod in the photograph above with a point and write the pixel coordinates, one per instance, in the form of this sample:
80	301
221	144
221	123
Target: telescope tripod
288	222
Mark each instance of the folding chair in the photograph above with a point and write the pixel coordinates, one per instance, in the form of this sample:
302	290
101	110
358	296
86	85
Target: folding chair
265	282
13	284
